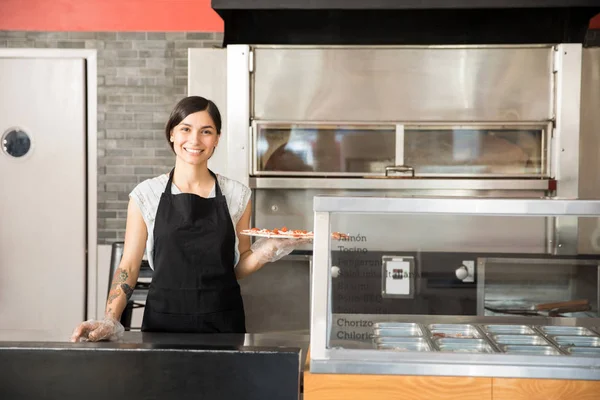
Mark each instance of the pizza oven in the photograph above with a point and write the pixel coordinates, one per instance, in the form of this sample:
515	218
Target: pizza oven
394	98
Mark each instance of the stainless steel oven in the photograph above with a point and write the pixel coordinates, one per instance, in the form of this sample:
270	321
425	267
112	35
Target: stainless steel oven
493	120
499	121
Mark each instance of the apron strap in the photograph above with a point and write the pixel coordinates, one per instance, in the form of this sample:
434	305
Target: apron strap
169	182
218	192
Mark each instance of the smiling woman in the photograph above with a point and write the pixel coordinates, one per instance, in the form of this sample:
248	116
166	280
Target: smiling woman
189	223
180	129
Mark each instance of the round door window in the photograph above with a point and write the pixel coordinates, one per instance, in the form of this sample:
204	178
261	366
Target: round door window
16	143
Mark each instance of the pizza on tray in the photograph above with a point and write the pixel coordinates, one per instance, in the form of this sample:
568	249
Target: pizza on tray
286	233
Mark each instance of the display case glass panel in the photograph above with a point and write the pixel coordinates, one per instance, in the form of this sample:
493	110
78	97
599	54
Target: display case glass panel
483	277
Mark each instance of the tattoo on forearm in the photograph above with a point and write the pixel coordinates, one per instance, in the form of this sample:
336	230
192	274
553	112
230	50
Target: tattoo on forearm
119	284
128	290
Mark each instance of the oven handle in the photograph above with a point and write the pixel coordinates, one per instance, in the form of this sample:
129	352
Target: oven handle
400	168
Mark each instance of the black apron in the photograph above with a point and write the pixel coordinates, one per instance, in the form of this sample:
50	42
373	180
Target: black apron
194	288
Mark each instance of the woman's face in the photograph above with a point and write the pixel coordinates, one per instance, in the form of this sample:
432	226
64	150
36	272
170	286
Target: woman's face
195	138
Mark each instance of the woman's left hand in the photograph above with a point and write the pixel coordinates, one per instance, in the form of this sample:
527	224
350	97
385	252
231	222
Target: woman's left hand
272	249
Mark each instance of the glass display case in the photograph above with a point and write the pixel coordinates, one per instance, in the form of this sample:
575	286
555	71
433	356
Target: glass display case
455	287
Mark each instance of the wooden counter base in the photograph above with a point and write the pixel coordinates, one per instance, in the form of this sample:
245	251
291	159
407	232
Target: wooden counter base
392	387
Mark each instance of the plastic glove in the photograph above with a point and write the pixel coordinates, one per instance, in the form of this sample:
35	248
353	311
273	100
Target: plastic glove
270	249
94	331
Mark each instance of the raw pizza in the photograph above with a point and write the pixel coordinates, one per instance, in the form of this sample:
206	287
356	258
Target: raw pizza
285	233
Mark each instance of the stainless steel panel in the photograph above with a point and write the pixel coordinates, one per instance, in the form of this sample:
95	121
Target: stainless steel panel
566	141
293	208
458	206
589	162
207	77
43	233
320	322
238	113
391	84
446	187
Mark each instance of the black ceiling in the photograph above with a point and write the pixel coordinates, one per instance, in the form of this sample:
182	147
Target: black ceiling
405	22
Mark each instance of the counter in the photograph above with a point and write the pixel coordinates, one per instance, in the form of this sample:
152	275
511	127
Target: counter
153	366
355	369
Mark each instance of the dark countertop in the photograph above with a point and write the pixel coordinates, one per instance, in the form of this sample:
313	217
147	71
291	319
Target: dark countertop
153	366
251	342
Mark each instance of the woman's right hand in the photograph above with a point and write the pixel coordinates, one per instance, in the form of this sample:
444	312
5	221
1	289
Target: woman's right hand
94	331
272	249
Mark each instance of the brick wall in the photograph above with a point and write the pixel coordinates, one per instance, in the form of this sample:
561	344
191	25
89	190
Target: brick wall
141	75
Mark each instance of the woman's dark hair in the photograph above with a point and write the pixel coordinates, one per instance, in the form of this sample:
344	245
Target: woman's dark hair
190	105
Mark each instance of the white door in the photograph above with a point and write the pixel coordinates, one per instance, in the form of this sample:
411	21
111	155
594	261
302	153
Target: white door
42	194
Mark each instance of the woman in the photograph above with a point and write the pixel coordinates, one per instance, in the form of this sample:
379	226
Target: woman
189	222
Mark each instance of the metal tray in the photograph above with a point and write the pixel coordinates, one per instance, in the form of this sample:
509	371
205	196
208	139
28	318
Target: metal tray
566	331
532	340
509	329
463	345
402	325
532	350
577	341
458	331
584	351
399	330
399	339
403	344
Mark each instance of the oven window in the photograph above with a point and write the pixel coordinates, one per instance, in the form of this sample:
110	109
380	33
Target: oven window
294	149
475	151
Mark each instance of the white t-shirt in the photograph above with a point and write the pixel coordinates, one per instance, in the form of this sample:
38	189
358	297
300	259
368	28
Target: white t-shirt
147	196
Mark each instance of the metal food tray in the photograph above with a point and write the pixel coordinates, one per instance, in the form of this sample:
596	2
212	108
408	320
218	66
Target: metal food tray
457	331
403	344
397	329
476	338
553	330
508	329
464	345
398	339
577	341
531	340
584	351
396	325
532	350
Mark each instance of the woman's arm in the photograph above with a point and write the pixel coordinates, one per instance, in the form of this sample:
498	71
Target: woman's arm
126	275
247	263
253	257
123	281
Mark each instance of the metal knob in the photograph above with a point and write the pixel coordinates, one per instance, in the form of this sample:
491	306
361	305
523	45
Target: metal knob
335	272
462	273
